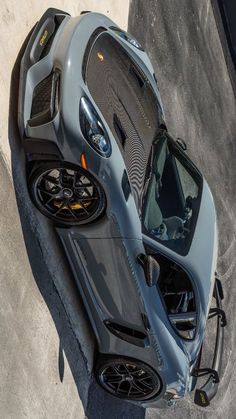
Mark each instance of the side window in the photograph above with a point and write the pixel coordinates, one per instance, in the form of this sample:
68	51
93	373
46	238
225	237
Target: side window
189	186
174	284
176	288
178	296
172	197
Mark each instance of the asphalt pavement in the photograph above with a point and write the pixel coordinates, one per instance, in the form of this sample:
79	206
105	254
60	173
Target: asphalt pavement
183	43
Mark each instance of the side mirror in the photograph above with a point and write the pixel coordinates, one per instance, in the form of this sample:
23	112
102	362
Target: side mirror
151	269
181	143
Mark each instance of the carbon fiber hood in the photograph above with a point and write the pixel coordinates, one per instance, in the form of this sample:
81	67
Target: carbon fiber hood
127	102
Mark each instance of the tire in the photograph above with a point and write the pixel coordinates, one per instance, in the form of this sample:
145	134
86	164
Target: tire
127	378
66	193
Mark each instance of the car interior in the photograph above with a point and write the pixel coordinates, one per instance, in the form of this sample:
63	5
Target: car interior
178	295
171	196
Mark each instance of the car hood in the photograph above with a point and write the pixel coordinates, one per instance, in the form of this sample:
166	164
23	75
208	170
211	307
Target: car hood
128	103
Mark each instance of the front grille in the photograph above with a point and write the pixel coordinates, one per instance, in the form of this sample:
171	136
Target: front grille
42	96
45	100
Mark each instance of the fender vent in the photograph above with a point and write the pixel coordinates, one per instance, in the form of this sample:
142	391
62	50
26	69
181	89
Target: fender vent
133	336
121	134
45	100
137	76
125	185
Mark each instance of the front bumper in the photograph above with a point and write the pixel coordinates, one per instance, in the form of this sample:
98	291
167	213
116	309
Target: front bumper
51	83
36	115
38	48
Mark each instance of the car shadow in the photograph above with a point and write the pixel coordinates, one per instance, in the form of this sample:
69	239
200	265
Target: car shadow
60	294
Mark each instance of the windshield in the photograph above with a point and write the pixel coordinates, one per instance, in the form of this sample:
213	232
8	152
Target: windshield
172	198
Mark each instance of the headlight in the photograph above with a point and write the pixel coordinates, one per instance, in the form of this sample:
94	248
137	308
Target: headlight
125	35
179	299
93	129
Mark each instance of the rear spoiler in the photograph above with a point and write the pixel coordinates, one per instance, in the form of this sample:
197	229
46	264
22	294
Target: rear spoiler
205	394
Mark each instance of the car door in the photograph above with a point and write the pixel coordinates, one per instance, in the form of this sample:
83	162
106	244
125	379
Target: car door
108	274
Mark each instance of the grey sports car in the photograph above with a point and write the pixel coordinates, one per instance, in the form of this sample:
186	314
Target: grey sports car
136	217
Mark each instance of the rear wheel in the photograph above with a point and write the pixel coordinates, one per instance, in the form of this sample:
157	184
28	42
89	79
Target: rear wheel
66	193
128	379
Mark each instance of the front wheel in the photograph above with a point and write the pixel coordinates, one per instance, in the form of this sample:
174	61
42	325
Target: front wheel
128	379
67	194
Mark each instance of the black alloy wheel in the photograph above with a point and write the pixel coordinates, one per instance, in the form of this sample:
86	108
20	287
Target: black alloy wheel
128	379
65	193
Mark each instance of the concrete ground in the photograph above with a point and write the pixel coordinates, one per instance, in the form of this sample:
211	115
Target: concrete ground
17	19
36	377
46	346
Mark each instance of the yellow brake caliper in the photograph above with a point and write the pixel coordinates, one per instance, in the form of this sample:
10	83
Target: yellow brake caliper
73	205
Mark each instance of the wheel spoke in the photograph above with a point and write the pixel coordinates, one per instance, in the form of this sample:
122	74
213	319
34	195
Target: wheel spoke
88	192
92	198
111	374
137	372
134	383
130	388
51	179
67	178
144	383
126	368
147	377
85	187
47	193
71	210
84	208
118	387
60	208
74	179
49	200
116	369
115	380
80	198
60	177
